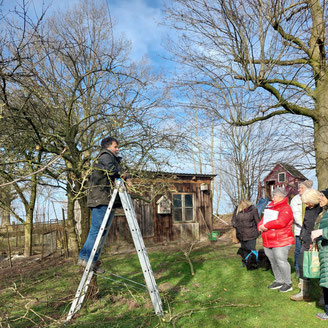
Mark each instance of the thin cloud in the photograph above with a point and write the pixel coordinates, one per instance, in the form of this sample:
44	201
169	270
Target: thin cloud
139	21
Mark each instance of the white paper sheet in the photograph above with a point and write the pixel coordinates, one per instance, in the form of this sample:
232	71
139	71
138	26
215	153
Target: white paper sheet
269	215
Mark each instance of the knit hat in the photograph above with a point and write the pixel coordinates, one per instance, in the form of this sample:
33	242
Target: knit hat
307	183
325	192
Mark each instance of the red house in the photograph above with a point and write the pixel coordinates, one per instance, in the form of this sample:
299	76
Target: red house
282	175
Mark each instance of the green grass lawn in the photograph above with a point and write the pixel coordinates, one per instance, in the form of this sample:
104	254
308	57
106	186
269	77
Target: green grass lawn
222	293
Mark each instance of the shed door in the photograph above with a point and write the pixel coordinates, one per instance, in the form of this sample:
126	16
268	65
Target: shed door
144	212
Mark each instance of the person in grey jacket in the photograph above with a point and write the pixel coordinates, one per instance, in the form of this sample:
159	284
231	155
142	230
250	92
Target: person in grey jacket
245	220
106	169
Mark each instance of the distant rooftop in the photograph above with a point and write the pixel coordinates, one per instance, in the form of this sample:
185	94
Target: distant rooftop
196	175
293	171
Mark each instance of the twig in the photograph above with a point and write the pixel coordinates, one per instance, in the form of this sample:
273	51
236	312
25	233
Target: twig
131	293
36	172
28	308
187	256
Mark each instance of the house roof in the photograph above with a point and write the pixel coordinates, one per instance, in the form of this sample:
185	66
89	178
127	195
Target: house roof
191	175
293	171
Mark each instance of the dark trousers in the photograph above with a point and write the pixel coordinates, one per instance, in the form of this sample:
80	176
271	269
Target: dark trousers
250	244
325	296
298	246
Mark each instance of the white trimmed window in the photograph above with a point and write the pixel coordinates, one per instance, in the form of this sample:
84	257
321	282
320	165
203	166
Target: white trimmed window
282	177
183	207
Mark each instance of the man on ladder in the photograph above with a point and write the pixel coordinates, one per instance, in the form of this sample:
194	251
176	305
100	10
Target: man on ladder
106	169
102	196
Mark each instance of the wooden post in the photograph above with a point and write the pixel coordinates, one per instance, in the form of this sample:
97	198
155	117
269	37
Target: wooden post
42	245
9	249
56	245
16	234
65	235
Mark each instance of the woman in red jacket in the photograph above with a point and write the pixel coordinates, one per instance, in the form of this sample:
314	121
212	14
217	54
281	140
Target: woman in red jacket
278	238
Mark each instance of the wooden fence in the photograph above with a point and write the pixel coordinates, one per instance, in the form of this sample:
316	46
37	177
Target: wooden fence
47	238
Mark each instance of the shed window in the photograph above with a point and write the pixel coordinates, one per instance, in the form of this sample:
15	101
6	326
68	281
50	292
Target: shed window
282	177
183	208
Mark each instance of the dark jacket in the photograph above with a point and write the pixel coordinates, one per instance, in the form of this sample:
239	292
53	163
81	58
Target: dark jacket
310	217
101	183
280	232
245	223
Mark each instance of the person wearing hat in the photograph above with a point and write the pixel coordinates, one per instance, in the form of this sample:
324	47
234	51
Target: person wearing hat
278	238
321	237
298	209
311	199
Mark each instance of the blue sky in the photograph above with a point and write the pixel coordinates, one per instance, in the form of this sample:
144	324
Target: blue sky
137	20
140	21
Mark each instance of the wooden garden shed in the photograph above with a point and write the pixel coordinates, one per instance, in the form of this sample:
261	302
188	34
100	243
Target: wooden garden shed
176	208
282	175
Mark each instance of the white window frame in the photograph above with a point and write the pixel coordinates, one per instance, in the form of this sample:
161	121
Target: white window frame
284	174
183	207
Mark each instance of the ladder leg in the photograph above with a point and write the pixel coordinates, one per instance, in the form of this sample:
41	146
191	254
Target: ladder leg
88	272
141	250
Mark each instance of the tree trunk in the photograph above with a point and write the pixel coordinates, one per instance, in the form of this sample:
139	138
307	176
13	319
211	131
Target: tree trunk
6	197
70	223
321	134
321	151
5	218
28	232
85	219
29	209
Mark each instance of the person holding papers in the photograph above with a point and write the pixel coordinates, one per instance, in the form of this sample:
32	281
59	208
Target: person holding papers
277	235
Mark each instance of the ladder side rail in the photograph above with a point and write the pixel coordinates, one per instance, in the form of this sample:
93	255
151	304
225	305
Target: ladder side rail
141	241
88	273
91	272
147	272
141	251
137	230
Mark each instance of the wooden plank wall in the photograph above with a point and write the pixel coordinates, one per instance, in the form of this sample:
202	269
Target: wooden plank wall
159	228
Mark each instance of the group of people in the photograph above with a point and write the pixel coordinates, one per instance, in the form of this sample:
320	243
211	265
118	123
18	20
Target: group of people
307	209
308	212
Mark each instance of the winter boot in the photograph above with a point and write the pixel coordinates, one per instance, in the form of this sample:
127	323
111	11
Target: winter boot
304	294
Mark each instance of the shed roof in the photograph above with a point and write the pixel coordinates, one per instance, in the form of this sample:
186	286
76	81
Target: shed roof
190	175
293	171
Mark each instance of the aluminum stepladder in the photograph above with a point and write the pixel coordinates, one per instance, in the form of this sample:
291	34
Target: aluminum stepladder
139	246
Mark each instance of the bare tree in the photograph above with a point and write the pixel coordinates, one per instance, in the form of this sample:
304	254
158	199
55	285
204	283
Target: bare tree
77	85
275	51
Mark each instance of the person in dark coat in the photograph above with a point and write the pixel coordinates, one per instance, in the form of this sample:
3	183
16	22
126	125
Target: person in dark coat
245	220
106	169
321	237
311	199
